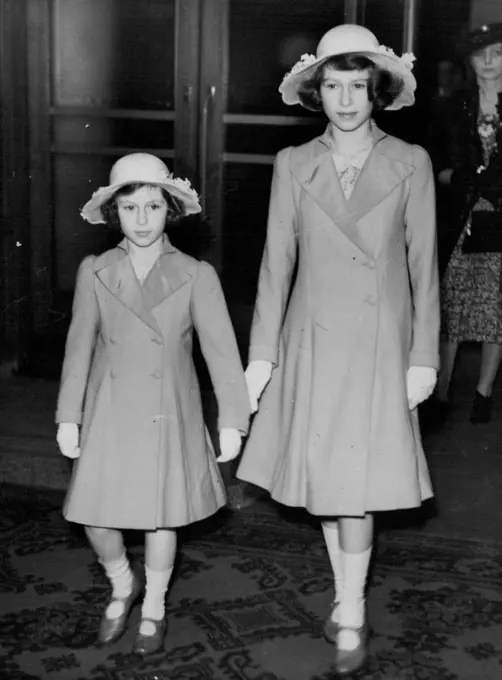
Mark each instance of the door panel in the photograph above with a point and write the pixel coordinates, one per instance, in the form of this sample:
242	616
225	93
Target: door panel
386	19
117	53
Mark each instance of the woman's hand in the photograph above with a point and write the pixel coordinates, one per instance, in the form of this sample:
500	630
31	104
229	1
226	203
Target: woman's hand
68	439
230	444
257	375
421	381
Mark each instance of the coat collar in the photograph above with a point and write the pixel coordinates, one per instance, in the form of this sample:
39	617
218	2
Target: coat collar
115	271
384	169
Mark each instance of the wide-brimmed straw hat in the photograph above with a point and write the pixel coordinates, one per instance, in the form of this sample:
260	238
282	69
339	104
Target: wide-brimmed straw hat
141	168
482	36
352	39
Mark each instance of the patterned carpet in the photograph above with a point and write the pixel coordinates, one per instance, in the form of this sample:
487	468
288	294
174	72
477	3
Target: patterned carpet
249	597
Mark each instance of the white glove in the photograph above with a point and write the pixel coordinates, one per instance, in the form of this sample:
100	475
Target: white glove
421	381
257	375
230	444
67	439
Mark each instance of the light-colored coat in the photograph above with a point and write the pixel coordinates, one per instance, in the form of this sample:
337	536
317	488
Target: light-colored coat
128	376
333	432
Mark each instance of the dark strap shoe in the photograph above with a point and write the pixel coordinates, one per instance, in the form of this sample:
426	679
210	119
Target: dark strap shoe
348	661
149	644
111	630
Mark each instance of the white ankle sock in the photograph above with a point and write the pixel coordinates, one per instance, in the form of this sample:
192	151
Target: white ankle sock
154	603
121	577
331	537
352	606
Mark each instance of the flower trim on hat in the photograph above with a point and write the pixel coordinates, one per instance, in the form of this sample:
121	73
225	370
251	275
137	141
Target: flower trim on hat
165	178
306	60
407	58
182	184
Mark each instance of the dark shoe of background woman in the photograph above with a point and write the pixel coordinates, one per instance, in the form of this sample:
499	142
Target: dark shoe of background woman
481	409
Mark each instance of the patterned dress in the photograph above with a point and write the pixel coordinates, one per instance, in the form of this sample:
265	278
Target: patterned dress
471	297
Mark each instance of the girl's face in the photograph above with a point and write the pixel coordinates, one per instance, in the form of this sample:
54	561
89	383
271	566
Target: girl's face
142	215
344	96
487	63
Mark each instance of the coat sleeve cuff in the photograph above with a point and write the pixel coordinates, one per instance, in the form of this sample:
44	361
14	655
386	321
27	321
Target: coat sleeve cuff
263	353
68	417
234	423
429	359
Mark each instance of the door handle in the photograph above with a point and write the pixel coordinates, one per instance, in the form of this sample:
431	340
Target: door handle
206	115
188	94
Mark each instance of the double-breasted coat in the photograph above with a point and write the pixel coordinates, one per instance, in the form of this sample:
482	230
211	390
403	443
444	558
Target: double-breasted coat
333	432
128	377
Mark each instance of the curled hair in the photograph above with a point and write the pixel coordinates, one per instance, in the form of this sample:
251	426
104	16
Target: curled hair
383	86
109	210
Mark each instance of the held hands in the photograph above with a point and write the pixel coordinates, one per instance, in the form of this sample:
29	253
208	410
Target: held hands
68	439
421	381
230	444
257	375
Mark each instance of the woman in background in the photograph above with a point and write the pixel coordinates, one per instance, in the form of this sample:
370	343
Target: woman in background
471	285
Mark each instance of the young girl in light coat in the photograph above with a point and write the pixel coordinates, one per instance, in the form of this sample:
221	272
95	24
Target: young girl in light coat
129	407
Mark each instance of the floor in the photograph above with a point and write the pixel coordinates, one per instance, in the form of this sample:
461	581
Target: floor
437	584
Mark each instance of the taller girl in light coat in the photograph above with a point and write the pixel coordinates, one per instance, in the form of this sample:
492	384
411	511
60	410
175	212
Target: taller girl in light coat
352	347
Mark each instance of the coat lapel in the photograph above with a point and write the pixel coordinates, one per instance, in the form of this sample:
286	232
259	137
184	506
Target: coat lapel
379	177
165	278
325	188
317	174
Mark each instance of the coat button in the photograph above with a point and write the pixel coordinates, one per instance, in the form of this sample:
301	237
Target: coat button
370	264
156	374
112	341
113	375
371	299
157	340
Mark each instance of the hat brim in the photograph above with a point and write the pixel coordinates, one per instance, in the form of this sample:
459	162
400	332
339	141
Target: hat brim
91	212
479	41
291	83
